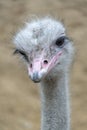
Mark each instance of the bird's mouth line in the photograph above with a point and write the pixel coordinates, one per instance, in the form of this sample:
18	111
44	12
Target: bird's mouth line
53	61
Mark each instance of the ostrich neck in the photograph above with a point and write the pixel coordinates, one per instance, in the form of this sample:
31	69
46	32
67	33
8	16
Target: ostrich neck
55	104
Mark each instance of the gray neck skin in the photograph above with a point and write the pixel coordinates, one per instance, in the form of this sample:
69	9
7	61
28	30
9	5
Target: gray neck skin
55	104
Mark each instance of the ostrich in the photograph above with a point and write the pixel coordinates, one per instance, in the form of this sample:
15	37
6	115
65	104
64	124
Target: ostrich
48	53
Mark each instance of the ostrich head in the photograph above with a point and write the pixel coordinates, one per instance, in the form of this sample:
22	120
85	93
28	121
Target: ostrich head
44	46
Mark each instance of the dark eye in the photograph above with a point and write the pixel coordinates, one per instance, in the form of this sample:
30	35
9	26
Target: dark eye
60	41
21	53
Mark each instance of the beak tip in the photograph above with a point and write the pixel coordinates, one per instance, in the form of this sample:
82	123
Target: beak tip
36	81
35	77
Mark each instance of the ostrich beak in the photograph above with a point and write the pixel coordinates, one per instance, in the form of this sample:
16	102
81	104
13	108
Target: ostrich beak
37	70
41	67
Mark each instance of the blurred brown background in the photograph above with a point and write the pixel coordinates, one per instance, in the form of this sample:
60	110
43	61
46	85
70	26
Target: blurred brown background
19	98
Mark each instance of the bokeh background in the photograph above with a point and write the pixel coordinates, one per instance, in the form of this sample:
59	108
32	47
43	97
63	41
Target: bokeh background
19	97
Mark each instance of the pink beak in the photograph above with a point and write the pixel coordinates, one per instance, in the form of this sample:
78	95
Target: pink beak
40	67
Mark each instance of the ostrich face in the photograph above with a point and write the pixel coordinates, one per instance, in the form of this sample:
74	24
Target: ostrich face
45	47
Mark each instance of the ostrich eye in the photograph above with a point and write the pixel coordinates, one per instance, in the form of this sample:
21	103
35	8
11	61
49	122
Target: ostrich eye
21	53
60	41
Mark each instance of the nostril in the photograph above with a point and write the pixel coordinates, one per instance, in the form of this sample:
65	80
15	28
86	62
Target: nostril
45	62
30	65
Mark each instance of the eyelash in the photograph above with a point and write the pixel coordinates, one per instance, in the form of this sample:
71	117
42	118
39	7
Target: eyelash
21	53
